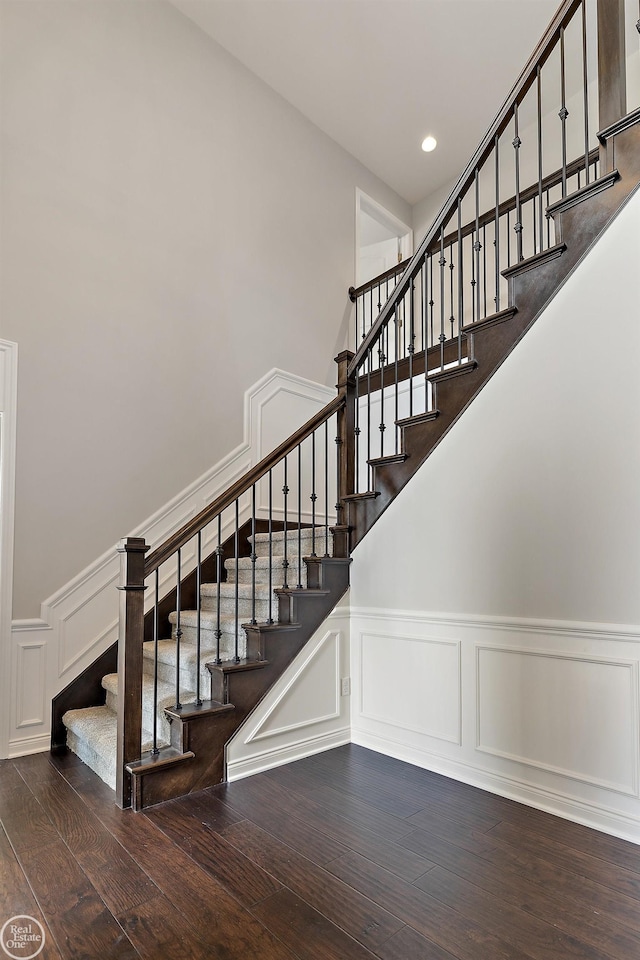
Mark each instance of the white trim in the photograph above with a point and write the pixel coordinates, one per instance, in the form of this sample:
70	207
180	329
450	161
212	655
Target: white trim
576	628
597	816
277	756
8	418
79	621
366	204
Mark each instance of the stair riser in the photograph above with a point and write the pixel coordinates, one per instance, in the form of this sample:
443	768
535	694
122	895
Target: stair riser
262	575
303	548
167	672
208	639
245	607
164	727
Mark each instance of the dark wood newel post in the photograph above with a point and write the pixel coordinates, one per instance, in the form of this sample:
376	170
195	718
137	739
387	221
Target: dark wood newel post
131	637
612	70
346	451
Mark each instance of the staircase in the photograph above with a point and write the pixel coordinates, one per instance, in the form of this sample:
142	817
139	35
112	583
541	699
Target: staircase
241	588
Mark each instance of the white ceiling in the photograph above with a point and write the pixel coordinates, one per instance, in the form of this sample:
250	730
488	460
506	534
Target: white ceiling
378	75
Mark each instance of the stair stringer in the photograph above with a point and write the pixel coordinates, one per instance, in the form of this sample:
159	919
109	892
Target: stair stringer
532	286
196	758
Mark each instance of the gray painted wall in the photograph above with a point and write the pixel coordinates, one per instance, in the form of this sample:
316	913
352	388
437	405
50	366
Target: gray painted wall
171	230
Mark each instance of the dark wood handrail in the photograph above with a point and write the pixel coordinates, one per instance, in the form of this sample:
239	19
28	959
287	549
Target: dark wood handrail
517	94
211	511
355	292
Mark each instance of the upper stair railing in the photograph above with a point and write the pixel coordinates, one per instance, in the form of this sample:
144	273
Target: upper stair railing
541	148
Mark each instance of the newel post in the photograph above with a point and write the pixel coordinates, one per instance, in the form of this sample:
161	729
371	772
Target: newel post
612	71
345	442
131	638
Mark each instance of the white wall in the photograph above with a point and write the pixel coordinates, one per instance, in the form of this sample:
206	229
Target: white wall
171	230
499	591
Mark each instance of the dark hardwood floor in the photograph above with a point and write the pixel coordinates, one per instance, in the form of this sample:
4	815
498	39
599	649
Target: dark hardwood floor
344	856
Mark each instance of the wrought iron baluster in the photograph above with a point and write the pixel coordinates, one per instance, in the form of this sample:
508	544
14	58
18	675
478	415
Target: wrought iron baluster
517	143
313	496
382	360
285	494
585	90
496	242
198	615
326	487
452	319
254	555
236	547
460	284
270	521
299	584
218	631
539	110
442	261
154	748
397	385
484	265
178	627
412	337
477	246
563	114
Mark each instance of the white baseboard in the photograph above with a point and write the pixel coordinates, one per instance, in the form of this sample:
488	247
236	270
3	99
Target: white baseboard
569	808
278	756
80	621
27	745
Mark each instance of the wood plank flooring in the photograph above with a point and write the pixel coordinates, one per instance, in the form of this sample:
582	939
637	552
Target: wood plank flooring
347	855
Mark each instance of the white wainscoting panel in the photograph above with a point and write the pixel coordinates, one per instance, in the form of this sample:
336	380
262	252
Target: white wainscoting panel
304	712
544	712
412	683
576	716
80	621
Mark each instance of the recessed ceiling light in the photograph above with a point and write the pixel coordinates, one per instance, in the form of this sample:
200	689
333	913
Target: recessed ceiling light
429	144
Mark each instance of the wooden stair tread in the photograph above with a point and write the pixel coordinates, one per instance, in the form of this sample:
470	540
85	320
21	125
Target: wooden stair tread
493	318
392	458
367	495
241	666
425	417
155	763
459	370
193	711
536	260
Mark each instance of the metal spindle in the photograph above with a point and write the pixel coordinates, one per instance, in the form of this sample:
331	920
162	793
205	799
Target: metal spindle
460	287
497	221
382	359
270	620
254	555
198	616
178	627
356	326
548	222
539	107
285	561
484	265
218	631
313	497
431	301
508	238
326	487
369	362
477	246
156	634
236	548
397	385
412	337
517	142
585	90
442	261
299	584
563	114
452	319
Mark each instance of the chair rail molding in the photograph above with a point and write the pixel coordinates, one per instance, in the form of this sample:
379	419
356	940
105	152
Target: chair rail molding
8	410
80	621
